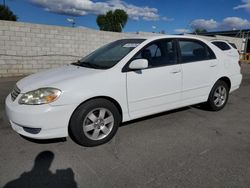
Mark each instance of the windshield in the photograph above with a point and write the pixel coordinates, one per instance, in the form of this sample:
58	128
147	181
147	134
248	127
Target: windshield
110	54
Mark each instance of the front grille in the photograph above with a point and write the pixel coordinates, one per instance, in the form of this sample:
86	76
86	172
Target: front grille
15	92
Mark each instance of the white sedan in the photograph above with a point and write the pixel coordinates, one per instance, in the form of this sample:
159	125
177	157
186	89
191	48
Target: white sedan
122	81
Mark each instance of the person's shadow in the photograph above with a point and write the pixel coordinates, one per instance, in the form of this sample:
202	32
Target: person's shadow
41	177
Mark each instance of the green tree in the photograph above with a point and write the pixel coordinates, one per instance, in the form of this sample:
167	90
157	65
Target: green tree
112	21
162	32
200	30
7	14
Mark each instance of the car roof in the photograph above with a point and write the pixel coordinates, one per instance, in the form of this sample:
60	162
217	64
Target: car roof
165	37
219	40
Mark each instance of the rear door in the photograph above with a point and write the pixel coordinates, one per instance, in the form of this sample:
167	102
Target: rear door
198	65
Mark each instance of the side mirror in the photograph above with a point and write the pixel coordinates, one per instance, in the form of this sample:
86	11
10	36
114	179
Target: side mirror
139	64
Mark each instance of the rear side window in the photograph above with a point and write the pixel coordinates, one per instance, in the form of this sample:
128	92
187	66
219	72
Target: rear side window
192	50
222	45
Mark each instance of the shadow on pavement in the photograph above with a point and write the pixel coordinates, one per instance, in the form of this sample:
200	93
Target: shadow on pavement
155	116
41	177
44	141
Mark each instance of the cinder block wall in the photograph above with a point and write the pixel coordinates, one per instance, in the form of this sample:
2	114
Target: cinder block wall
28	48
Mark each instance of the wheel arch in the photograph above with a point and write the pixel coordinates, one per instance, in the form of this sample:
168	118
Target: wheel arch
226	80
210	101
115	102
223	78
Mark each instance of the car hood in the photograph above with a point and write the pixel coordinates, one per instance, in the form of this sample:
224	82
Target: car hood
54	77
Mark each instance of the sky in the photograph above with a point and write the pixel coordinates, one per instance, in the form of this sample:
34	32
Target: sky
170	16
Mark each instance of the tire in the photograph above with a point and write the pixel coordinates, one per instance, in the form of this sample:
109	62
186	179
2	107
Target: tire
94	122
218	96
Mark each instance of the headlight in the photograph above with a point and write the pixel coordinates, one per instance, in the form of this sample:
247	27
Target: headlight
40	96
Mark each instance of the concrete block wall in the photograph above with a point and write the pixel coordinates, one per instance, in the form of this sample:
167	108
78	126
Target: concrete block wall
28	48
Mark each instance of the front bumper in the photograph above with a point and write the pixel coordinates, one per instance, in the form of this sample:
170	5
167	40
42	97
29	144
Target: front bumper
50	121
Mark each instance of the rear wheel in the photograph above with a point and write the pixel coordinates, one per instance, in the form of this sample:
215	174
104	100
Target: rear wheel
218	96
94	122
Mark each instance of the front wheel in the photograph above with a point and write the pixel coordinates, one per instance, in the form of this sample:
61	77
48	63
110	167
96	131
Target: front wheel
218	96
94	122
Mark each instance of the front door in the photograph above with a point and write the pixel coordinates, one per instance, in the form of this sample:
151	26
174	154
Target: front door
157	88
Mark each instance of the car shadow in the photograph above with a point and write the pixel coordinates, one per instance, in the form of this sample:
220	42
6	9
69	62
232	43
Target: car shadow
155	116
44	141
40	176
202	107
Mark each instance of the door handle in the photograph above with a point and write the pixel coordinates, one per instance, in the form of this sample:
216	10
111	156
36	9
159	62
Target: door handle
175	71
213	64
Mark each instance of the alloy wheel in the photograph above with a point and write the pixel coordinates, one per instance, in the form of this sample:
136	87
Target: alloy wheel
98	123
220	96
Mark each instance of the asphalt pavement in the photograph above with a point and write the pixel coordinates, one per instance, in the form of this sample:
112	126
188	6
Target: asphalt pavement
189	147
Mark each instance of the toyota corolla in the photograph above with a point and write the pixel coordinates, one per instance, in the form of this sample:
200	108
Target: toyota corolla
119	82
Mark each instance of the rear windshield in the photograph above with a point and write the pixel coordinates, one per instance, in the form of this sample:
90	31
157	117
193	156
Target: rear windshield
222	45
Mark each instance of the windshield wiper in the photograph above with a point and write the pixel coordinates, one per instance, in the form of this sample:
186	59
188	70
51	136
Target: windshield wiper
92	65
89	65
96	66
77	63
82	64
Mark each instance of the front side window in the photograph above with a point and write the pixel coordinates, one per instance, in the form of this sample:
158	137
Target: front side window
110	54
159	53
191	51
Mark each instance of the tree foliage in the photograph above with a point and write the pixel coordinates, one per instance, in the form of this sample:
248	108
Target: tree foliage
112	21
7	14
200	30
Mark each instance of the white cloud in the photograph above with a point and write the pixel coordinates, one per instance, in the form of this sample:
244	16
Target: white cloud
245	5
84	7
235	23
228	23
204	24
167	19
181	31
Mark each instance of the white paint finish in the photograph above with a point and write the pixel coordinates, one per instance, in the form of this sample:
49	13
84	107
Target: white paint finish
235	80
139	64
52	120
53	76
153	87
232	52
197	78
139	93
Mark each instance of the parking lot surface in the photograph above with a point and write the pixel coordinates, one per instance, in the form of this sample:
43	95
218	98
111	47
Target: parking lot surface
189	147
